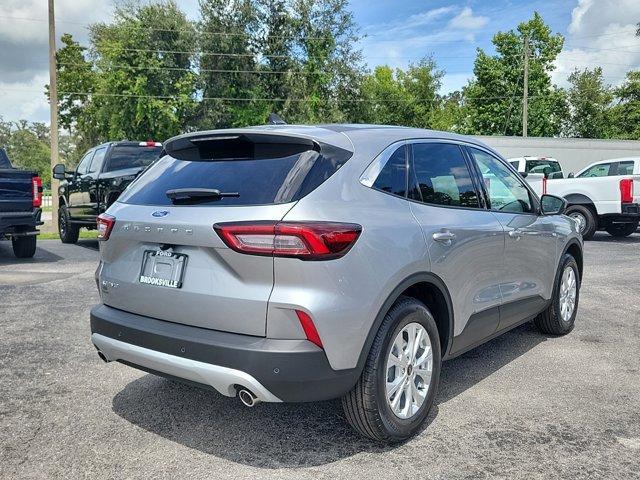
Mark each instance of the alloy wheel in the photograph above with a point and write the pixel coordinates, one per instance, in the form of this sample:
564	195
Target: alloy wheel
568	291
408	370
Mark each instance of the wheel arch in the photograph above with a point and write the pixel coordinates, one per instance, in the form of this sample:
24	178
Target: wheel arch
430	290
574	249
581	199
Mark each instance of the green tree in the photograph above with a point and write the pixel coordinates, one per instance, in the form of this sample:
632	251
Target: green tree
27	151
145	85
625	114
589	102
493	102
404	97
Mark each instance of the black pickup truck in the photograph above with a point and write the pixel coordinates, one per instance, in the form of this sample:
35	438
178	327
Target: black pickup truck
20	202
98	180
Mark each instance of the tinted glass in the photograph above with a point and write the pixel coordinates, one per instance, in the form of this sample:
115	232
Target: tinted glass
625	168
132	156
258	181
601	170
83	166
98	159
393	177
505	190
516	164
439	175
539	166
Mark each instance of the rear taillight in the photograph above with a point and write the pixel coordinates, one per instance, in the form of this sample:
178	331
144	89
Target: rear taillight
105	225
37	191
309	328
626	190
304	240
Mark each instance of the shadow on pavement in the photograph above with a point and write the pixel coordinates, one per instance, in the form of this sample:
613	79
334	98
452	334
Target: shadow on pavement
606	238
91	244
288	435
42	255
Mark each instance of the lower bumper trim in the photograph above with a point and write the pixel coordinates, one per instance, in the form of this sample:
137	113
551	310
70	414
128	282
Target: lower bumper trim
222	379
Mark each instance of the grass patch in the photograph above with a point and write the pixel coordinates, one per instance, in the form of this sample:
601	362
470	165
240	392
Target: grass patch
90	234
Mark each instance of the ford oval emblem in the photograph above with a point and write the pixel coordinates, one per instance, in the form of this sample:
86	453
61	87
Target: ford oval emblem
160	213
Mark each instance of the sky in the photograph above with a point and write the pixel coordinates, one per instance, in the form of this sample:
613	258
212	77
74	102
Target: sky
396	33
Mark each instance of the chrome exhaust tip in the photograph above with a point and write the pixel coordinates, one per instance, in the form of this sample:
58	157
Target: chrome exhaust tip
102	357
248	398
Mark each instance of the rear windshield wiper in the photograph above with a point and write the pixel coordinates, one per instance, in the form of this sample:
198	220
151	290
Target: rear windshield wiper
195	195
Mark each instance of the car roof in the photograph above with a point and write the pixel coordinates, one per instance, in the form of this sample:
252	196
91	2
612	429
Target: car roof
347	136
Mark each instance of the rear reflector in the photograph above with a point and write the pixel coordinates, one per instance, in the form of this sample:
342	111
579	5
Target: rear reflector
304	240
105	225
309	328
626	190
37	191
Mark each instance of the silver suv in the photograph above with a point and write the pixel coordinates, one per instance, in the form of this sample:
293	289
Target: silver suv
305	263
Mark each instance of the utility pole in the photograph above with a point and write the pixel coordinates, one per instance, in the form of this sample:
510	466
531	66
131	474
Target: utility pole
525	92
53	107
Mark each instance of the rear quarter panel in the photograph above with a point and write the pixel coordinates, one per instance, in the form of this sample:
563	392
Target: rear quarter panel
344	296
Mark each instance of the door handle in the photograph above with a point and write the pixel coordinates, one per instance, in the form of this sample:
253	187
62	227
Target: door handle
515	234
445	237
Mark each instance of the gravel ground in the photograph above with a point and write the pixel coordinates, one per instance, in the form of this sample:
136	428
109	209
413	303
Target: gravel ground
521	406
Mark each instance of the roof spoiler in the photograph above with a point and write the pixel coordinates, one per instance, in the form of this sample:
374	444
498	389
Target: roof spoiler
227	145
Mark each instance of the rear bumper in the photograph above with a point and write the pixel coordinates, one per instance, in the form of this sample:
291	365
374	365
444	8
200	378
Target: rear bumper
274	370
630	213
19	223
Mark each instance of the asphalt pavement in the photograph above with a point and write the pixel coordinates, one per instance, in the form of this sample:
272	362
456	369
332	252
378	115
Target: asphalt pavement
521	406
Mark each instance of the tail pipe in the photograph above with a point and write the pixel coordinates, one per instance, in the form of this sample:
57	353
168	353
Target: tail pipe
102	357
248	398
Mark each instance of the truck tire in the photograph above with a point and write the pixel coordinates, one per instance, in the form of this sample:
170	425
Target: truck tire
559	317
622	229
393	417
69	233
586	220
24	247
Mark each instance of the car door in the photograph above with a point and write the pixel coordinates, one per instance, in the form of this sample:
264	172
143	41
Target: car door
530	239
465	241
91	185
76	195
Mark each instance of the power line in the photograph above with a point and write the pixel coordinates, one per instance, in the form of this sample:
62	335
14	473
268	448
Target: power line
258	99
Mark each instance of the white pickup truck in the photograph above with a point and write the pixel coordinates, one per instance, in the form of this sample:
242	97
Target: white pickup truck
603	196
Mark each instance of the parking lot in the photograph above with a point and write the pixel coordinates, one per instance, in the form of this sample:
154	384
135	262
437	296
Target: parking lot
521	406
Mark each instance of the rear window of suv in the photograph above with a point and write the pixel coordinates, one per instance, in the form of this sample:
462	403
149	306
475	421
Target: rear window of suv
131	156
257	179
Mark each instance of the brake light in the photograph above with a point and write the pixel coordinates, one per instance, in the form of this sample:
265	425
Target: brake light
105	225
37	191
626	190
150	143
309	328
303	240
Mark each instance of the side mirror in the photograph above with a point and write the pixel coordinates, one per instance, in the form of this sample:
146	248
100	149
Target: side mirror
59	172
552	205
571	175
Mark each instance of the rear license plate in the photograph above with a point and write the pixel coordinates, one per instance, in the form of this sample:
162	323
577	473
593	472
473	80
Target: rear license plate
163	268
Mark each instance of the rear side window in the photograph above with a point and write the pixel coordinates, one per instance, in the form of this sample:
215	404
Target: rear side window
257	179
439	175
131	156
625	168
393	177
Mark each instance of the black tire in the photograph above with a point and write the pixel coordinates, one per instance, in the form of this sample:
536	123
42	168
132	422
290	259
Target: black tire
550	322
69	232
365	406
622	229
591	222
24	247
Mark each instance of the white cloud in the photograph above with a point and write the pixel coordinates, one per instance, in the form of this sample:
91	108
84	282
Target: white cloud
466	20
601	33
24	50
